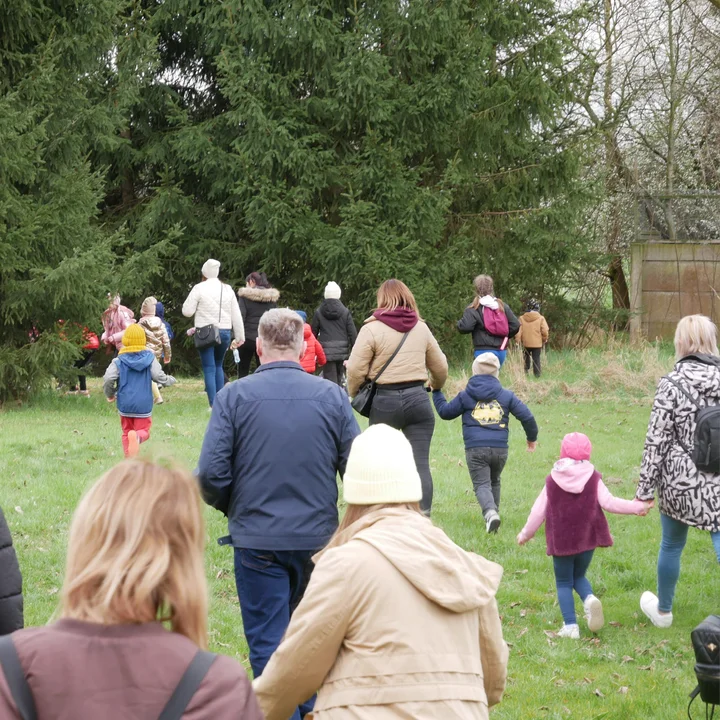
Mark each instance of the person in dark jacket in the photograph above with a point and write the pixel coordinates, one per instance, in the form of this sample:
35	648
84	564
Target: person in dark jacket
255	299
474	320
11	599
486	406
272	451
333	326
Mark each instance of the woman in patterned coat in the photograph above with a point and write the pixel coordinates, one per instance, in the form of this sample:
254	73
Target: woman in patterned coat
686	497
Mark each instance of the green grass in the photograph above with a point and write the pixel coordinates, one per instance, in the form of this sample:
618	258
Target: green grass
52	449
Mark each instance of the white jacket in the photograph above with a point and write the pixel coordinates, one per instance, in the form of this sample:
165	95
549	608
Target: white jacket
204	303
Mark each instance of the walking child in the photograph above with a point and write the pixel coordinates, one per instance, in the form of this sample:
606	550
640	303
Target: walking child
160	312
314	354
129	379
486	406
533	335
571	505
157	338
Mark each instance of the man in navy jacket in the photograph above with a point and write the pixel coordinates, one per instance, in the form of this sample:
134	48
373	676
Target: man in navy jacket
272	450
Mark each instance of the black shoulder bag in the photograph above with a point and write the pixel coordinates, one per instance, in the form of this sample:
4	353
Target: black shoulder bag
363	400
173	710
209	335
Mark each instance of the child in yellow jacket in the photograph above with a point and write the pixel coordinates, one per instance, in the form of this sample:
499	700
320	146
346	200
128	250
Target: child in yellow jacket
533	335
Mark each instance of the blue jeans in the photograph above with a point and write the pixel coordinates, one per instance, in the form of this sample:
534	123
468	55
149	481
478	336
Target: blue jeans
499	354
212	364
270	585
570	573
674	537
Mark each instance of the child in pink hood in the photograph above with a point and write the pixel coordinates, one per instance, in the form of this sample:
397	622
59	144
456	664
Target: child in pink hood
571	506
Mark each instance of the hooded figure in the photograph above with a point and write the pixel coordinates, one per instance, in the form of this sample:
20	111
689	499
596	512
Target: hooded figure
397	620
333	326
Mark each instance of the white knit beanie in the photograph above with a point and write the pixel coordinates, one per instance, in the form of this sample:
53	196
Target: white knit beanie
486	364
332	291
211	269
381	469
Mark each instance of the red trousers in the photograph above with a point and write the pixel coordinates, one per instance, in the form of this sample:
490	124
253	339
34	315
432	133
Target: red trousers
140	425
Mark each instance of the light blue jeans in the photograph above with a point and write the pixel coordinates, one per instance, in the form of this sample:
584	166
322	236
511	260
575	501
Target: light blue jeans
674	537
212	365
499	354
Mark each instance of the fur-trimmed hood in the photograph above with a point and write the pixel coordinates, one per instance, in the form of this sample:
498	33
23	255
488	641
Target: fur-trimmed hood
259	294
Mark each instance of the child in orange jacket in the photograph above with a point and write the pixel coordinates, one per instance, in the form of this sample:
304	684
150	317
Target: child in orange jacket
314	354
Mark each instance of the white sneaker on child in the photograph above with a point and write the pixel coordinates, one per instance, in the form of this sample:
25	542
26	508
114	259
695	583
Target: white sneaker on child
593	613
649	605
569	631
492	522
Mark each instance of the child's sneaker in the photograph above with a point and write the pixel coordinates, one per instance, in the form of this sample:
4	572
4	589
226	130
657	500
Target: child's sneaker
133	444
492	522
593	613
569	631
649	605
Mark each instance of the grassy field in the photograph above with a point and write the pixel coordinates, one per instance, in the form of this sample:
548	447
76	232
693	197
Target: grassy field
52	449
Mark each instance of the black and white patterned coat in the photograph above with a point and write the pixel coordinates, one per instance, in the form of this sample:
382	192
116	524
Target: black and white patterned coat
683	493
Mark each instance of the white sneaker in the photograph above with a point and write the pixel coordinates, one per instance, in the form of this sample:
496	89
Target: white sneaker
593	613
569	631
649	605
492	522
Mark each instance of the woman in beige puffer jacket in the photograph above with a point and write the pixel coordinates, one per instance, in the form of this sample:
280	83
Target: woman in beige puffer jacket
401	400
397	621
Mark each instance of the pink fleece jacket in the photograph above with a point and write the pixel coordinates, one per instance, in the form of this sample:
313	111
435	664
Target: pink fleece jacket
572	476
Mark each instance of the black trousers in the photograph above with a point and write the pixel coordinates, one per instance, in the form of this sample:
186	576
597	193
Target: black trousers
334	371
247	352
485	465
534	355
81	364
410	410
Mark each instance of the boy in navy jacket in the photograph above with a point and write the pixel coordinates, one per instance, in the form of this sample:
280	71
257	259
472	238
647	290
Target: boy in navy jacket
486	406
129	378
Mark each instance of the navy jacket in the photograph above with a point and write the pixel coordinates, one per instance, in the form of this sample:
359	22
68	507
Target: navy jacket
129	377
271	454
485	406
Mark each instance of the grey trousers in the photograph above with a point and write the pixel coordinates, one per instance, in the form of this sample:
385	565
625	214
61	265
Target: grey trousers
486	465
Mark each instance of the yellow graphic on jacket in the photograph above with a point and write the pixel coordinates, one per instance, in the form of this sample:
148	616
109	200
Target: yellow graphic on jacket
490	413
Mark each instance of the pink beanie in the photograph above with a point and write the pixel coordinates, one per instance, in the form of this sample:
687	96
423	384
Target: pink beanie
576	446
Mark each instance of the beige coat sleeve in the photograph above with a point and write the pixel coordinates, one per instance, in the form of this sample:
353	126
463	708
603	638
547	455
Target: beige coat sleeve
493	652
544	330
436	363
311	644
360	360
165	340
518	337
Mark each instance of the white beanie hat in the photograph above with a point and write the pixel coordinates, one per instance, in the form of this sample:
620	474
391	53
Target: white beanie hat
211	269
381	469
486	364
332	291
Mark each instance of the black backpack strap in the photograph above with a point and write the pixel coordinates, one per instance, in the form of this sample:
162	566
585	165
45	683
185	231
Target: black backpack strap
188	685
392	357
16	680
694	399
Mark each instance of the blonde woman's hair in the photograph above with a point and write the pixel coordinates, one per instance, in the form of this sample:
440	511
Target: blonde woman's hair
135	551
393	294
695	334
357	512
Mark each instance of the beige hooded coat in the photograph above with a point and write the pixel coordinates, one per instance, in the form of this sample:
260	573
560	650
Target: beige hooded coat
397	622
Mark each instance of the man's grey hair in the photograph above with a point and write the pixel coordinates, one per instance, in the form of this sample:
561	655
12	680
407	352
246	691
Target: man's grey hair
281	331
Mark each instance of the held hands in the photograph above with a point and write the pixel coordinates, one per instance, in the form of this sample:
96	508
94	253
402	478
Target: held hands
647	506
531	447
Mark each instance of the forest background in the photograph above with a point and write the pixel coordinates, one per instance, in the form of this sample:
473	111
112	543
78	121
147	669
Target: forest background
349	141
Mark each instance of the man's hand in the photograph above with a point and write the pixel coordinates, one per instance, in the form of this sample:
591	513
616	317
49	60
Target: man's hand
531	446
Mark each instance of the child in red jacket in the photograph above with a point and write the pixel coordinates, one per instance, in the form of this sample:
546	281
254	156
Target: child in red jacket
314	354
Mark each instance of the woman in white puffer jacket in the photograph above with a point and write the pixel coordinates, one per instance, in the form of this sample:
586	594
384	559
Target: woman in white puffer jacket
214	303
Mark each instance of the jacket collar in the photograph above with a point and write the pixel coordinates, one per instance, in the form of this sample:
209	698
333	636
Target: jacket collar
702	359
280	364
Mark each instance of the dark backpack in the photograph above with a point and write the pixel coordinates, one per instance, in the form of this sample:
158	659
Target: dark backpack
495	321
706	644
705	452
174	710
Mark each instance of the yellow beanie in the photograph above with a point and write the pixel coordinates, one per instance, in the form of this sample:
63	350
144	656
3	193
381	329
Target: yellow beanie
133	339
